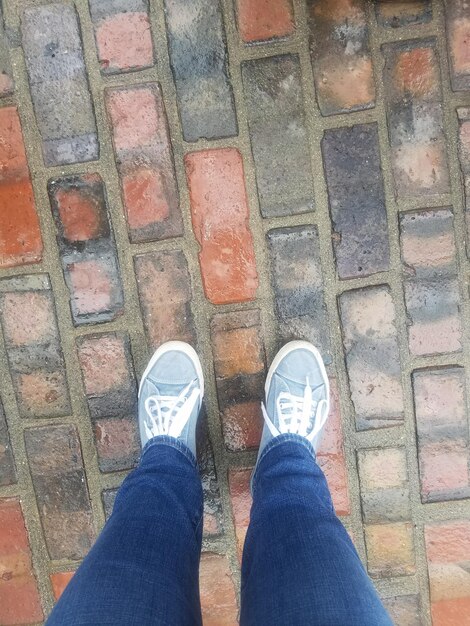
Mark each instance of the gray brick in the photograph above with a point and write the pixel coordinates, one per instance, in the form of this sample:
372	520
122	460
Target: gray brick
100	9
6	75
7	462
108	496
458	23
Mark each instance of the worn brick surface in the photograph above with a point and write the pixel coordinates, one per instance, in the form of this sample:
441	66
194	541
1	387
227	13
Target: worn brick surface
7	461
60	580
218	599
414	111
54	58
463	115
199	62
262	20
458	35
6	75
396	13
213	519
240	497
356	199
220	213
278	135
404	610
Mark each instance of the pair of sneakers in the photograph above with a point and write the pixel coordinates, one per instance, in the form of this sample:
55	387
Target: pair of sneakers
172	389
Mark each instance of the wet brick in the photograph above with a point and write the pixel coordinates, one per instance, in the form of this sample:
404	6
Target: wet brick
87	248
372	357
7	461
213	518
240	372
199	62
279	138
218	598
413	101
59	84
165	295
339	49
59	581
20	236
357	201
298	286
220	217
397	13
32	340
404	610
241	500
442	429
458	35
264	20
55	460
144	159
7	84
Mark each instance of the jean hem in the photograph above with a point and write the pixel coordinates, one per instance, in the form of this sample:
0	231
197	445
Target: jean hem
172	442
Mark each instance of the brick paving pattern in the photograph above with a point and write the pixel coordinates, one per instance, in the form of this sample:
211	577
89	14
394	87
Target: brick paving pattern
236	174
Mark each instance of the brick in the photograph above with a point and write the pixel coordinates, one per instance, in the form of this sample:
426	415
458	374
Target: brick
397	13
144	159
19	596
239	364
213	518
7	84
463	142
413	101
108	497
55	64
241	500
220	217
339	49
87	248
60	580
263	20
27	315
431	287
357	200
458	34
390	550
372	356
164	287
331	457
404	610
297	280
59	481
199	62
123	35
448	553
278	134
7	461
20	235
117	443
218	598
443	439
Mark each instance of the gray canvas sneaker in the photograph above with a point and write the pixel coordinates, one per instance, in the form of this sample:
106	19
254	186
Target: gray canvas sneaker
170	394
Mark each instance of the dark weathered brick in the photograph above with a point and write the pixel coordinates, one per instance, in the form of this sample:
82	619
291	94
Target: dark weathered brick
372	357
458	34
108	496
213	518
20	236
396	13
165	295
19	596
279	138
339	48
55	461
264	20
59	84
220	216
432	295
117	443
199	62
27	315
144	160
123	35
413	101
356	198
87	248
218	597
7	461
239	364
298	286
7	84
404	610
442	429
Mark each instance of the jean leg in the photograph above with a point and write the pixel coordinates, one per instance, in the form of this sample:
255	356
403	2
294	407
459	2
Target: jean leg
144	567
299	564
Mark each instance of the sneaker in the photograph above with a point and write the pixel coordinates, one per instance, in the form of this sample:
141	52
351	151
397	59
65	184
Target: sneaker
170	394
297	394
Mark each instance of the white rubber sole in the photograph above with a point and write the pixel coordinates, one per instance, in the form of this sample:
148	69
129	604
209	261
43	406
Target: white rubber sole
175	346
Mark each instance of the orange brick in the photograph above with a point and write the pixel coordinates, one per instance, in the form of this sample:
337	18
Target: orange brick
59	581
240	496
261	20
390	549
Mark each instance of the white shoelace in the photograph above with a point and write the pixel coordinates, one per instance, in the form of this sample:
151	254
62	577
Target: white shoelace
296	413
168	415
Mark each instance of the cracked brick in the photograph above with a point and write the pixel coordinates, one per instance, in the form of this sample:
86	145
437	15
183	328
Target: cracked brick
263	20
7	461
458	34
397	13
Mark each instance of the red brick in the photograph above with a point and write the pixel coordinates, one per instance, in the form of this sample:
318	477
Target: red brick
117	443
42	393
261	20
240	496
164	287
396	13
448	552
331	457
144	159
342	65
7	461
28	318
458	43
220	214
217	589
19	596
390	549
239	363
20	235
60	580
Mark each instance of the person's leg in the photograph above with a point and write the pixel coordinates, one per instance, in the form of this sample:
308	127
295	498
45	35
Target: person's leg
143	568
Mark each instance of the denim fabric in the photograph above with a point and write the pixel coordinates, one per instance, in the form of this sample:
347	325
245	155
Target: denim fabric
299	565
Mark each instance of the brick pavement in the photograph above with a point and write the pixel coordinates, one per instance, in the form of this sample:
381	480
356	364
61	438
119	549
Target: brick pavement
236	173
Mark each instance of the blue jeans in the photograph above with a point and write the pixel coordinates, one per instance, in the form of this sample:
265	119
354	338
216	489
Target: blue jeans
299	564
